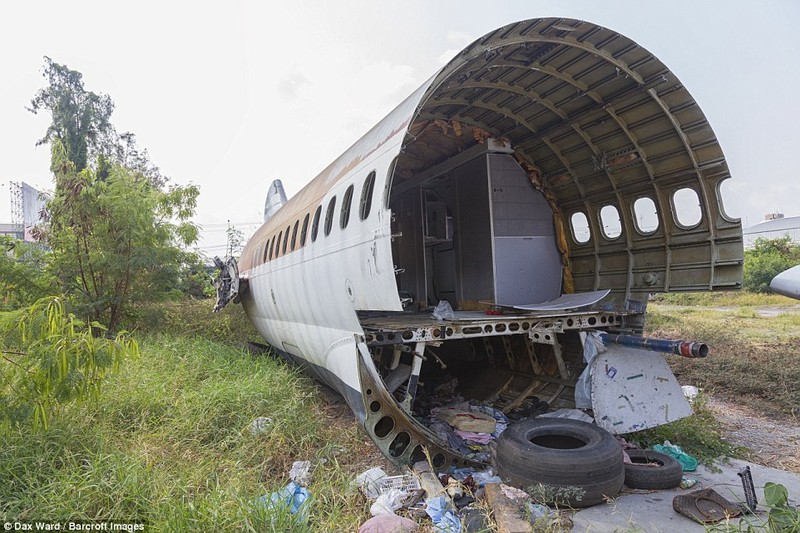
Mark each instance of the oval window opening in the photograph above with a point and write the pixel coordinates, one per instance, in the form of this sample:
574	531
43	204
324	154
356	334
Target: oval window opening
686	204
315	224
366	196
294	233
344	217
645	215
580	227
304	231
610	223
724	191
329	216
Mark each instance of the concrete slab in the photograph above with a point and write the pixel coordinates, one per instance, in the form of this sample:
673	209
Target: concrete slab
652	512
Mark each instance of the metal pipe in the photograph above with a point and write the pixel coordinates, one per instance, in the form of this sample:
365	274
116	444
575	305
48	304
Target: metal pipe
682	348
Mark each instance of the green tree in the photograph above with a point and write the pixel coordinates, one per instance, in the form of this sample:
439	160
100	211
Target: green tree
81	122
767	259
81	119
48	357
24	277
114	228
115	238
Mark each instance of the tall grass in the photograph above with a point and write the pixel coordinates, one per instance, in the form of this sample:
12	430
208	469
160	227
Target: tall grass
169	444
753	358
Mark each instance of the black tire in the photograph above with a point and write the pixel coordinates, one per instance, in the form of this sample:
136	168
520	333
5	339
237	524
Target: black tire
562	453
640	475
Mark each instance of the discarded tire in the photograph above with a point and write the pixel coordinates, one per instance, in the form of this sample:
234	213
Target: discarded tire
581	462
652	470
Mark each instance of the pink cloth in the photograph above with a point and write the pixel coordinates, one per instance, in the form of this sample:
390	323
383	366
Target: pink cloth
388	523
471	436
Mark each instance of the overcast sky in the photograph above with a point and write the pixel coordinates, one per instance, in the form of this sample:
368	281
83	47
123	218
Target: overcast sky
231	95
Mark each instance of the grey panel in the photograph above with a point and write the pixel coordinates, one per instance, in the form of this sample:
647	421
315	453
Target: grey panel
473	232
526	270
566	302
527	263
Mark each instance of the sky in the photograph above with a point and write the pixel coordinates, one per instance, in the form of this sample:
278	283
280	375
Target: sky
231	95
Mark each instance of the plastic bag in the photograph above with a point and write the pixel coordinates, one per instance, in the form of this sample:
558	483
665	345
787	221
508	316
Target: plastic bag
369	482
592	346
688	463
301	473
443	311
388	502
443	518
292	497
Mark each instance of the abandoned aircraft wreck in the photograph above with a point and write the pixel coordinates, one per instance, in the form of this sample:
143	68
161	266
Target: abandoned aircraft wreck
532	193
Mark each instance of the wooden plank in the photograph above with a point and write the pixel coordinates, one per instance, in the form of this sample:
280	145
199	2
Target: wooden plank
507	513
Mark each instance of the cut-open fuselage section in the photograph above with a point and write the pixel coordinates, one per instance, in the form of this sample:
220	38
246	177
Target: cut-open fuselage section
549	162
475	233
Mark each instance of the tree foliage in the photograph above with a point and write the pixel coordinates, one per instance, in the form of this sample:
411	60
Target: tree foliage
81	119
113	227
81	122
767	259
24	276
115	237
48	357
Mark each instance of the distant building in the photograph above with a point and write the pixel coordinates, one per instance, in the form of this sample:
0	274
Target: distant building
27	204
775	226
12	230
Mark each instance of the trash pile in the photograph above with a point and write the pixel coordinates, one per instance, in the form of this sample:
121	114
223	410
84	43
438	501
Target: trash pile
468	427
457	501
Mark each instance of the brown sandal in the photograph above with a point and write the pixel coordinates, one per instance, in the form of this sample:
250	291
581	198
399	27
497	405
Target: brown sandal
705	506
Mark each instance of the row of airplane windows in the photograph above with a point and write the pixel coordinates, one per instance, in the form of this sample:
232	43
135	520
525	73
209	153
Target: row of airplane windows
280	244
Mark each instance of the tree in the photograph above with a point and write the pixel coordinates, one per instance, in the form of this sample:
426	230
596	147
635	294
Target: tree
235	239
81	119
767	259
81	122
24	277
115	237
113	226
48	357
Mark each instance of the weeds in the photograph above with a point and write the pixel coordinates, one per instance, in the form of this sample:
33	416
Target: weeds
752	357
699	435
168	444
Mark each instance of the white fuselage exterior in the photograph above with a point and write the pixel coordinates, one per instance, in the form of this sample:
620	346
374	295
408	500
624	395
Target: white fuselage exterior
305	302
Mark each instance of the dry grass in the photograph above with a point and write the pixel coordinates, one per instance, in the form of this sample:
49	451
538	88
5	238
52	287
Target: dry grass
753	358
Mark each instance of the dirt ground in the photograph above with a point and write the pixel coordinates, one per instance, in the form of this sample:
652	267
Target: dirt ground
773	442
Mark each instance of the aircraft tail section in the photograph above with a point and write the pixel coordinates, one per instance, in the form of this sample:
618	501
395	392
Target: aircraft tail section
276	197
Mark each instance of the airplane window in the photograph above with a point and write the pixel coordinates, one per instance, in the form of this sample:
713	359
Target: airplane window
610	223
344	218
645	215
294	233
329	216
304	231
315	224
285	240
580	227
278	248
366	196
271	246
724	191
686	205
266	249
